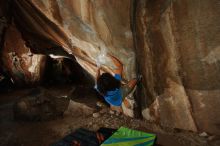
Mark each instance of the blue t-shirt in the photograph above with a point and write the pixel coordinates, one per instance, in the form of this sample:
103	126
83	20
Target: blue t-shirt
114	97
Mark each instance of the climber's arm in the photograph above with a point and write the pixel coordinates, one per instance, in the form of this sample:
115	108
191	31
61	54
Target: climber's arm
98	73
118	64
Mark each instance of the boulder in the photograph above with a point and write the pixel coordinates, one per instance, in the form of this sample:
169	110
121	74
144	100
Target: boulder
38	105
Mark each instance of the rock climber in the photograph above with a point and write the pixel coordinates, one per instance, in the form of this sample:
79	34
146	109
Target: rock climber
109	86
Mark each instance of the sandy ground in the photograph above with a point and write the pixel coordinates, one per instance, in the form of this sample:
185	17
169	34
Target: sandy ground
21	133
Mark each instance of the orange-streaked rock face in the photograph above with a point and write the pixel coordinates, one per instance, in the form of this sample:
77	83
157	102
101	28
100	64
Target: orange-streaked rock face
85	29
23	66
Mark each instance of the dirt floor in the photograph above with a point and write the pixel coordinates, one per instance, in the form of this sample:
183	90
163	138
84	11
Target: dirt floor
80	113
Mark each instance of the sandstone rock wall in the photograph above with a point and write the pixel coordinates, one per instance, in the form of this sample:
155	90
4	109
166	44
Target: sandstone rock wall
84	29
177	45
23	66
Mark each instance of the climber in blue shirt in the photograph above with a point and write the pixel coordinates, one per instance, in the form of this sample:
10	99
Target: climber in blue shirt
109	86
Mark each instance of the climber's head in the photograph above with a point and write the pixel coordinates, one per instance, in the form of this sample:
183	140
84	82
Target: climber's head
106	82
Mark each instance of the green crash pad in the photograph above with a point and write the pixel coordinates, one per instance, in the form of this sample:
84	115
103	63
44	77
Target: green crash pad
128	137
